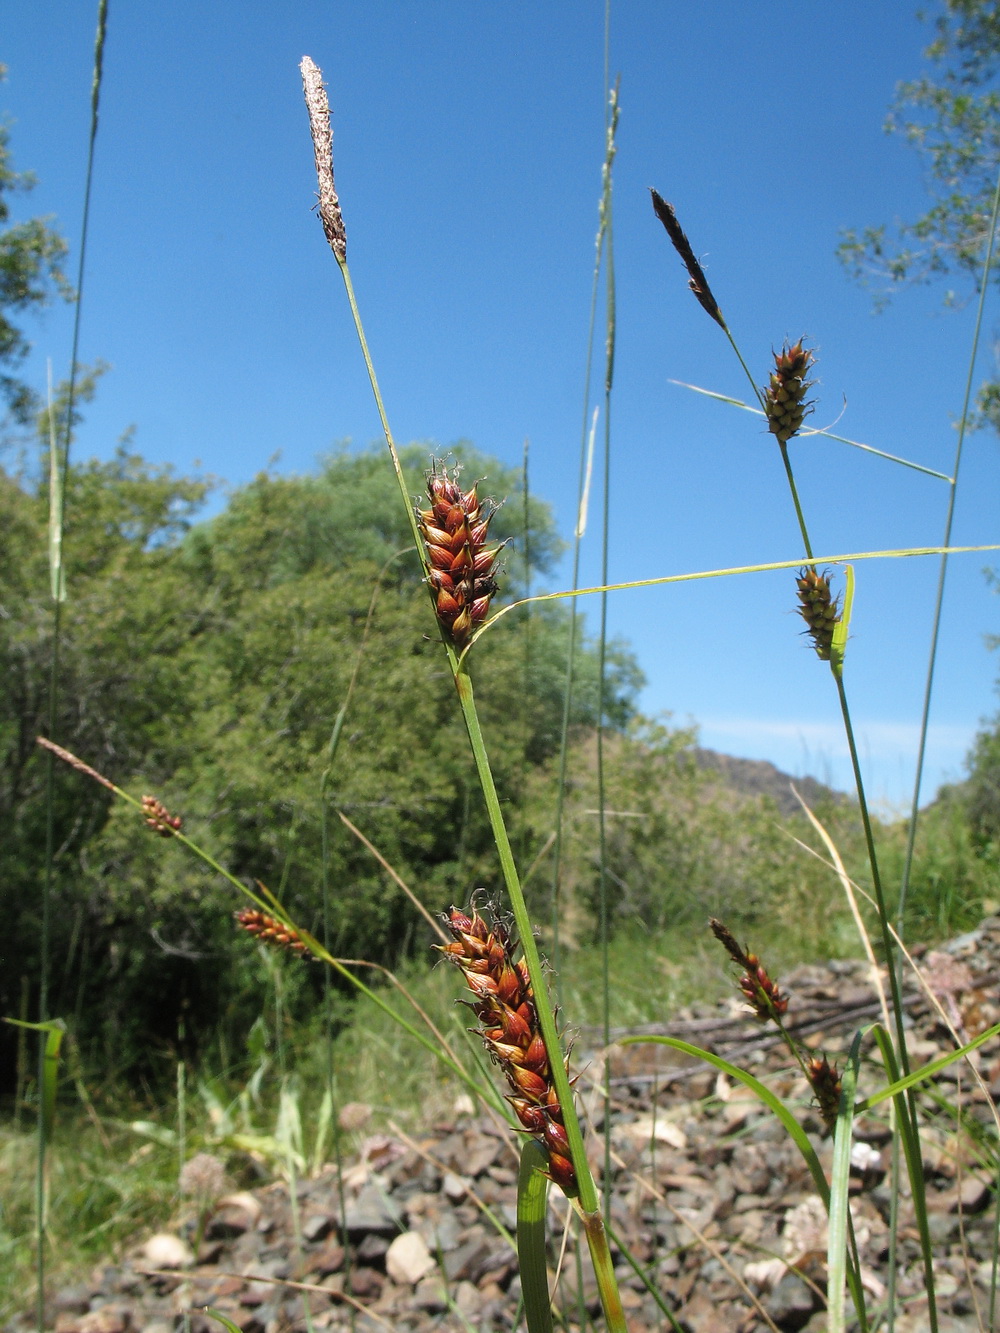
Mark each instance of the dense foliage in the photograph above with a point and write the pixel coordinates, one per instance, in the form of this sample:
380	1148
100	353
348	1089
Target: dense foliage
205	662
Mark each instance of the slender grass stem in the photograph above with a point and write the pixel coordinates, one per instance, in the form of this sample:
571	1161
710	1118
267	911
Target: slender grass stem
57	525
795	500
602	668
589	1202
582	490
769	567
939	596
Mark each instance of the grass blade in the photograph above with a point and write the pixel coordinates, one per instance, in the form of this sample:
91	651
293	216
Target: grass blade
532	1193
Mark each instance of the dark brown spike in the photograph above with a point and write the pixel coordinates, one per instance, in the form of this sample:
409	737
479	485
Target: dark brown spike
697	281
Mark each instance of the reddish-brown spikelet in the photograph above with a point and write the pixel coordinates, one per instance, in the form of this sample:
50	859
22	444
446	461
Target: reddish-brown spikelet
269	930
159	818
455	530
761	991
785	396
825	1082
505	1006
818	608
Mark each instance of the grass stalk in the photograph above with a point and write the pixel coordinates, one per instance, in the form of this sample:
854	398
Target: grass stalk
911	838
589	1204
607	217
59	469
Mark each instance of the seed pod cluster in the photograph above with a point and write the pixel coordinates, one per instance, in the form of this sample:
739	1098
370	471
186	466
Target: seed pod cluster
455	530
159	818
825	1082
818	608
505	1007
761	991
269	930
785	395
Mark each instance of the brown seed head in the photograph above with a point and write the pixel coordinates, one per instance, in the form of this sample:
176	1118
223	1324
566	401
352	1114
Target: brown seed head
785	396
159	818
455	530
269	930
697	281
818	608
504	1004
826	1086
728	941
762	993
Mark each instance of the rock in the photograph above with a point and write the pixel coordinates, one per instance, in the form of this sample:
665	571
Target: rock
430	1295
235	1214
369	1212
364	1282
408	1259
72	1300
700	1315
792	1303
329	1259
317	1226
468	1260
372	1249
454	1187
112	1318
468	1300
165	1250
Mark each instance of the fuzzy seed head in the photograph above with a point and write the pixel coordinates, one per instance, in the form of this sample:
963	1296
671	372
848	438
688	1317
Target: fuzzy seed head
455	530
818	608
504	1004
203	1176
785	395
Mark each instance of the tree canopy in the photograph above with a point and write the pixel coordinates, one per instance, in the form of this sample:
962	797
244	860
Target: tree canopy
205	662
31	255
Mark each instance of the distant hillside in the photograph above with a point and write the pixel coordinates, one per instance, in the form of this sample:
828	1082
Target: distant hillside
758	777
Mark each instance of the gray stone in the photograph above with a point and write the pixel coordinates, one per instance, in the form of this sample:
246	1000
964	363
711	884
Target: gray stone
792	1303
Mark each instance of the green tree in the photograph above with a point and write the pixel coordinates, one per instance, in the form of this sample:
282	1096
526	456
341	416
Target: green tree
31	255
952	118
205	662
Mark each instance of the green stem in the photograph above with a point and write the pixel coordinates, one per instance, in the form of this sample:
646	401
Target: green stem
589	1201
604	1270
939	599
883	915
795	499
588	1197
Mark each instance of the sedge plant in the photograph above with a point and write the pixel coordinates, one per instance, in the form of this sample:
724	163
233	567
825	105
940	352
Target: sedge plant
451	540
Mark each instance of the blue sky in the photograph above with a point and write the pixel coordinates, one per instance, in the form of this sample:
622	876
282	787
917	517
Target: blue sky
468	144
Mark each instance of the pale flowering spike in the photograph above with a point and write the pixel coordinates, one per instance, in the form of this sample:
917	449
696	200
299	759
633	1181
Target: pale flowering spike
318	107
